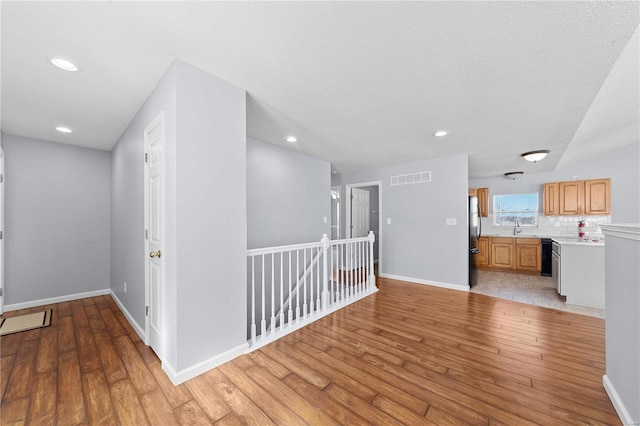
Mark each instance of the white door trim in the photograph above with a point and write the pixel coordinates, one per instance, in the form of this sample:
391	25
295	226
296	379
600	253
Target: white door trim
157	121
347	203
347	190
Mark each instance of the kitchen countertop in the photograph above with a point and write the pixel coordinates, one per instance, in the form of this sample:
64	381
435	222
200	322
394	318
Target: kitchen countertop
526	236
573	241
562	239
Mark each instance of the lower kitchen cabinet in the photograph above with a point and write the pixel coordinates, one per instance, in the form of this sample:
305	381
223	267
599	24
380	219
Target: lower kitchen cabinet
483	256
514	254
502	253
582	275
528	254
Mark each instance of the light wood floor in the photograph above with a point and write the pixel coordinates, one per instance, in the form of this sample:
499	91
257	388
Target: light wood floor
410	354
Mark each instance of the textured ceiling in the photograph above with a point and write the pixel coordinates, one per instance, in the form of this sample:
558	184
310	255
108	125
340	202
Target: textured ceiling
359	83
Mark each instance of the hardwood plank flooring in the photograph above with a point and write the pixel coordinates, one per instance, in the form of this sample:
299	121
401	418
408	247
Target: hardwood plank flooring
410	354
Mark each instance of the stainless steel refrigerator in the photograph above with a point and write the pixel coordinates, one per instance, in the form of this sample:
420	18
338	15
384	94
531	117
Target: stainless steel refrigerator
475	230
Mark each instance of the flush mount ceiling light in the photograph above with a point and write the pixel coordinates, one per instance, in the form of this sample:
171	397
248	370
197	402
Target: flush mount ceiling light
535	155
63	129
291	139
441	133
513	175
64	64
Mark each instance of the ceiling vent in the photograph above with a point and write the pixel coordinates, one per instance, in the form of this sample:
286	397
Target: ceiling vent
411	178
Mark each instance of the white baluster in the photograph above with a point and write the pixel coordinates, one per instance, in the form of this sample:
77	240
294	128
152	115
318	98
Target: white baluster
281	291
253	300
304	283
273	295
349	264
311	284
290	293
297	287
318	263
372	276
263	323
359	265
341	272
325	272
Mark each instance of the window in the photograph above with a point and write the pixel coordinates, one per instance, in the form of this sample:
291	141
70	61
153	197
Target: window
521	207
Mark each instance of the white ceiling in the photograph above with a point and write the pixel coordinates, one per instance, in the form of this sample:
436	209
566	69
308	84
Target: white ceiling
359	83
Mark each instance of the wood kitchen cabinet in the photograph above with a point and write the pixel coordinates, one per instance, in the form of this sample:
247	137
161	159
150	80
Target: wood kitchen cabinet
528	254
579	197
597	196
483	199
571	197
551	199
502	253
514	254
483	256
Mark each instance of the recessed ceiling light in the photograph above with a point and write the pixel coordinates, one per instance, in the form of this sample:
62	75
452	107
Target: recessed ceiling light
63	129
291	139
64	64
535	155
441	133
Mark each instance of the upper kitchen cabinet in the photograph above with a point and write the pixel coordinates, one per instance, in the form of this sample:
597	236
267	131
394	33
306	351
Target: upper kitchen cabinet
551	199
571	197
483	199
597	196
579	197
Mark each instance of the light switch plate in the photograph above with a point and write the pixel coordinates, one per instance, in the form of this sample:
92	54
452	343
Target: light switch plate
451	221
388	221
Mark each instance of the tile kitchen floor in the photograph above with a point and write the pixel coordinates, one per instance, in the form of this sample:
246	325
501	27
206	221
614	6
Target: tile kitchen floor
531	289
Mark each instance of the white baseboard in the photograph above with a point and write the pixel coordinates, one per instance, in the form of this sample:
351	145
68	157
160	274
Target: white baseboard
425	282
127	314
178	377
624	415
58	299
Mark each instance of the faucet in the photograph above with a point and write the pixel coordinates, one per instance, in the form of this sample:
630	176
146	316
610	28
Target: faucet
516	228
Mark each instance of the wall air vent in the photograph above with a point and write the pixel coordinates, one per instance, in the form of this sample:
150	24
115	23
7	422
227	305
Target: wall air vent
420	177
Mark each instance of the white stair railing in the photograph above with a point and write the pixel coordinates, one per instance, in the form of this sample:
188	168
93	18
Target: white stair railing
291	286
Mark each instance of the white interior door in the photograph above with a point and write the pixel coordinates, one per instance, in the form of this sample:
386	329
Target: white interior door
154	232
359	213
1	231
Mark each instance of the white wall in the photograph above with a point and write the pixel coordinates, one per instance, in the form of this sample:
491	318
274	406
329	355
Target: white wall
288	196
417	245
127	208
211	215
620	165
57	223
205	204
622	297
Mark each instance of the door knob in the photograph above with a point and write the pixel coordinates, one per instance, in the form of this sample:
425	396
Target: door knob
155	254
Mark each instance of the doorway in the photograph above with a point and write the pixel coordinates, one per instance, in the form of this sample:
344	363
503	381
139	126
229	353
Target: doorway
335	212
364	211
154	144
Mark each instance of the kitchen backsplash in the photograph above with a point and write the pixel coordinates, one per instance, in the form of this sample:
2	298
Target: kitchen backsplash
552	226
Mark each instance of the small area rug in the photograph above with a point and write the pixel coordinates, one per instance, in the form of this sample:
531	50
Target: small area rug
25	322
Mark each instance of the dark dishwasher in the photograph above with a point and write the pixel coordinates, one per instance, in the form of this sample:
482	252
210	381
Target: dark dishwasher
546	257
